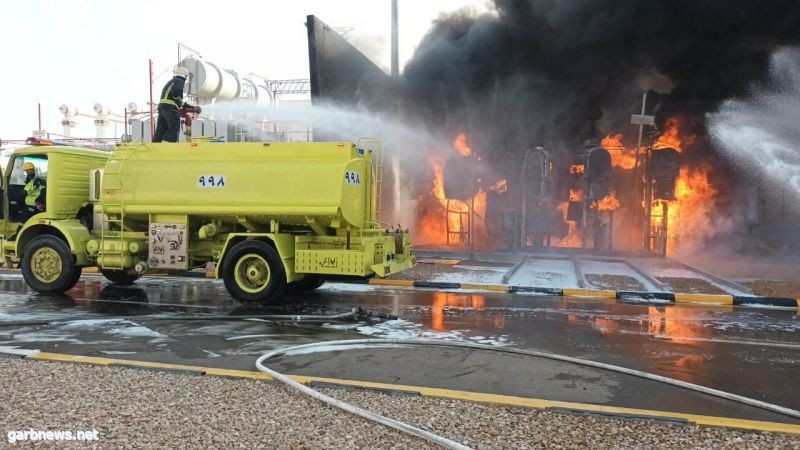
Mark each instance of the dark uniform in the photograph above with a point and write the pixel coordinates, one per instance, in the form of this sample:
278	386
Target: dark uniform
169	122
34	195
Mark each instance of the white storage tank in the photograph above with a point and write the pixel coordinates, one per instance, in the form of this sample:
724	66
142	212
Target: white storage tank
209	81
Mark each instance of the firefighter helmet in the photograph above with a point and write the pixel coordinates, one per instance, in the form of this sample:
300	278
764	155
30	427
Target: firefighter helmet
181	71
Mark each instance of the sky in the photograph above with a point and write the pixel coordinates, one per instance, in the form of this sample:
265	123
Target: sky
82	52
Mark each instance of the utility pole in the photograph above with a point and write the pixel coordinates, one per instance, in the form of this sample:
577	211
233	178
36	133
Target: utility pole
642	120
395	54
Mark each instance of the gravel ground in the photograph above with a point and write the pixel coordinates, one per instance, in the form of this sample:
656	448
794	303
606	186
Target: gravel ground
142	409
775	288
690	285
615	282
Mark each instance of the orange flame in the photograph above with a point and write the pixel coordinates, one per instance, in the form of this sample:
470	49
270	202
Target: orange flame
689	213
575	195
670	138
577	169
573	237
438	213
609	203
460	144
500	187
620	156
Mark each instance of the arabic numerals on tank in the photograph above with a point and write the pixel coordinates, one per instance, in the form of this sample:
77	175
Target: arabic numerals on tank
211	181
352	177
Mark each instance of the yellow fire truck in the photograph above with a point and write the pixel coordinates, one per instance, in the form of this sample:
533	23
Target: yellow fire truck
271	216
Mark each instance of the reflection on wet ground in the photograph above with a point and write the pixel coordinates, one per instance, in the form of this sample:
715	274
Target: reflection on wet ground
753	352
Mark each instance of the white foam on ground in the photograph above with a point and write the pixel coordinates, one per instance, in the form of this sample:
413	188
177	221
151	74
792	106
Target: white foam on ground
672	272
116	352
403	329
341	326
549	273
473	274
90	322
136	331
17	351
47	336
346	287
253	336
615	268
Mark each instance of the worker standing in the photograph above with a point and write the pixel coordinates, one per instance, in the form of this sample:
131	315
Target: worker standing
169	122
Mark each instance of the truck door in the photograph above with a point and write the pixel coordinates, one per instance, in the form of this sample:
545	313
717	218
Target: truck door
16	184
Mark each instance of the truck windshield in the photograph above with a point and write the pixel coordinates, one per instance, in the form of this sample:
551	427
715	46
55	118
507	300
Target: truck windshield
18	174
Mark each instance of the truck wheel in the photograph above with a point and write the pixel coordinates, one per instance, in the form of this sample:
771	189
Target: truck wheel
307	284
253	272
47	265
119	276
76	275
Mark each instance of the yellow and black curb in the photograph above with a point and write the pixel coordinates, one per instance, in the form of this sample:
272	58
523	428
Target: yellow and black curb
477	397
639	297
636	296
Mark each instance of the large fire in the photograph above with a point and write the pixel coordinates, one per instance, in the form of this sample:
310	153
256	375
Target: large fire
573	238
446	220
670	138
621	157
443	220
689	215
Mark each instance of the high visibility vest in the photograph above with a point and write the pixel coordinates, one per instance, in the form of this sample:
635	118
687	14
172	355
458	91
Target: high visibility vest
165	100
33	189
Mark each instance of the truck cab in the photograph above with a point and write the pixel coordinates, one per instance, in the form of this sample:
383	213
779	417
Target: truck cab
48	239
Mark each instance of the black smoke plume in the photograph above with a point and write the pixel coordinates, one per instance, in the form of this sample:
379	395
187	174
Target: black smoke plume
555	72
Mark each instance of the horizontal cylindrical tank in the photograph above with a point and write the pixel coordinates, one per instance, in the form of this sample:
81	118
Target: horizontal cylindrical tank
255	92
209	81
329	184
265	96
229	86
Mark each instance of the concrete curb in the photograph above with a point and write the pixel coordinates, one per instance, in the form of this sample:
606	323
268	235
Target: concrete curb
468	396
633	296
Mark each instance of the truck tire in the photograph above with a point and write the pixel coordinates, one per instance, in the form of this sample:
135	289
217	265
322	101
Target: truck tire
76	275
307	284
119	276
48	266
253	272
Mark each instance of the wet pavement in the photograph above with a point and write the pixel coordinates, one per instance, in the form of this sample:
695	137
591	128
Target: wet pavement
748	351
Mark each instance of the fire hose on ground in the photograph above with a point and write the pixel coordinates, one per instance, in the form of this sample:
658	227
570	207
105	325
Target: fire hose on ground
447	443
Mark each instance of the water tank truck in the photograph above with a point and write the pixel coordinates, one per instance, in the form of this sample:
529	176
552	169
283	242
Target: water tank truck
270	216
